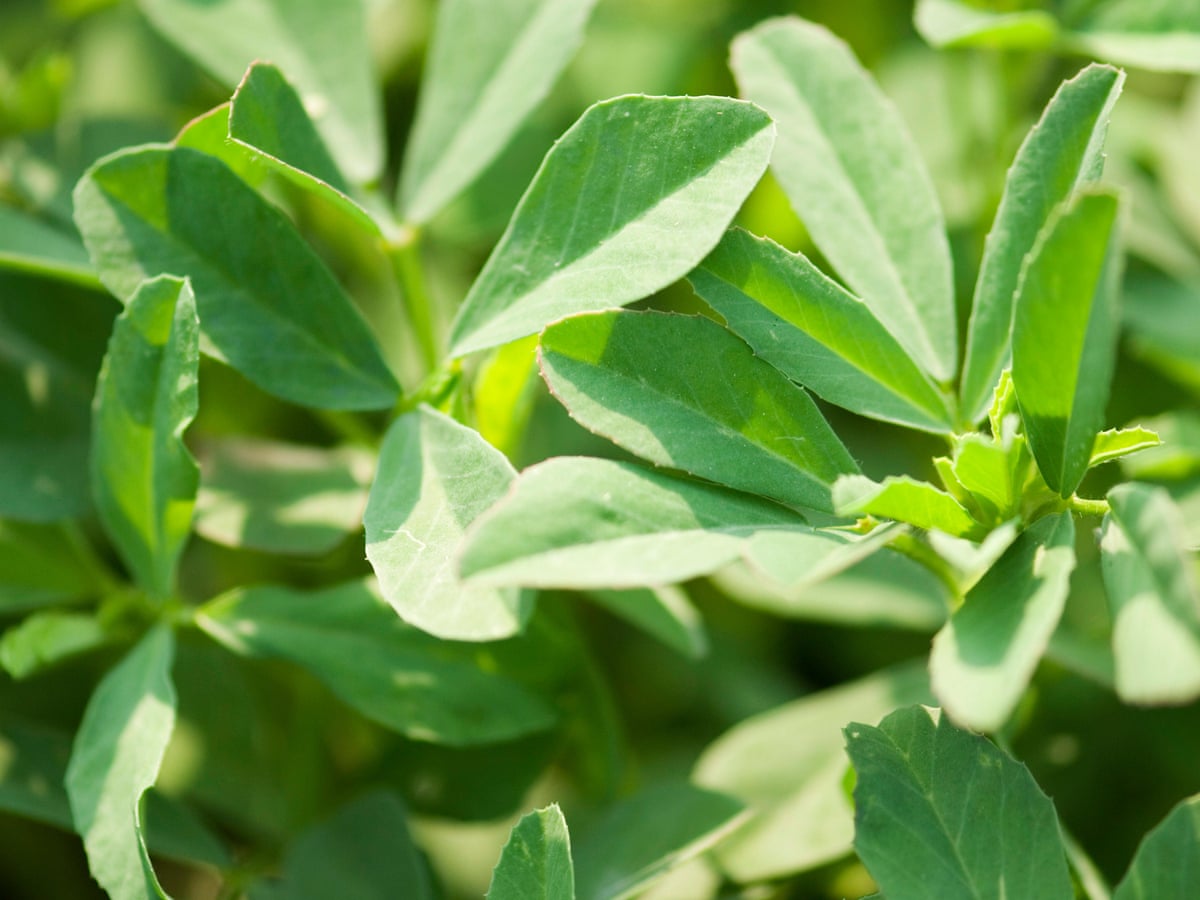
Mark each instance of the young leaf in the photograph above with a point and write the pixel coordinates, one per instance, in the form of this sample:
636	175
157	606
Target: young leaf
575	522
1153	596
1064	336
281	498
47	637
954	23
681	391
1061	153
905	500
801	817
627	201
115	759
992	471
270	306
1167	863
853	173
321	46
29	245
144	479
435	477
984	657
405	680
365	851
665	613
490	63
918	822
816	333
1117	443
642	838
536	862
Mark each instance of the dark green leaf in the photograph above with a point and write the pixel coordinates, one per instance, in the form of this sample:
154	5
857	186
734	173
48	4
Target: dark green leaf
536	862
682	392
1167	863
36	569
627	201
666	613
270	306
919	825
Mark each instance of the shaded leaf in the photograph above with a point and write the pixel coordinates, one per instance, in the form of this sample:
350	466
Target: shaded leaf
32	246
627	201
36	570
681	391
906	500
954	23
854	175
47	637
536	862
1167	863
664	613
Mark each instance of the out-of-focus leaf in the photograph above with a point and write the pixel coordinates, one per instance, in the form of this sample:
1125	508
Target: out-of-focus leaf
32	246
627	201
1167	863
664	613
918	826
1176	455
905	500
504	396
1153	596
854	175
954	23
796	560
1163	36
536	862
349	638
47	637
435	477
682	392
115	760
490	63
36	569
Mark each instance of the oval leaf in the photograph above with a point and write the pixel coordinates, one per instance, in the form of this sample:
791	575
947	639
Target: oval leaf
269	305
536	862
681	391
854	175
629	200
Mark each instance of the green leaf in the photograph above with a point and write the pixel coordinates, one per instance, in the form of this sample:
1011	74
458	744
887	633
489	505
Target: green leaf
47	637
1167	863
681	391
209	134
1178	453
270	306
34	569
281	498
435	477
801	816
321	46
905	500
1117	443
576	522
796	560
1162	37
1062	153
144	479
489	65
627	201
643	837
919	822
365	851
1153	596
32	246
853	173
816	333
504	395
665	613
985	656
954	23
351	640
115	760
1064	336
536	862
992	471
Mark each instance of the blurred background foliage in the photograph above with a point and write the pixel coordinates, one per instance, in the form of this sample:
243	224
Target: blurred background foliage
264	751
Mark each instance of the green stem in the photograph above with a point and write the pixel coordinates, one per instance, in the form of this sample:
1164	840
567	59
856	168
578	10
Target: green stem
405	255
1087	507
920	552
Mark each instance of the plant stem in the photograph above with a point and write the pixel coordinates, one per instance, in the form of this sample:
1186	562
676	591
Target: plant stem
1088	507
918	551
405	254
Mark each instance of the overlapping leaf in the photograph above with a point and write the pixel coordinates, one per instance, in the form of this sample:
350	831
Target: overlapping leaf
906	500
536	862
1167	863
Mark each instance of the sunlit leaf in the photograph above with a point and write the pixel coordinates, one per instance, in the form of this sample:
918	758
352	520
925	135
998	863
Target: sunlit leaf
536	862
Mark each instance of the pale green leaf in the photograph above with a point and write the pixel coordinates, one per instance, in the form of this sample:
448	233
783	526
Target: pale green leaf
1178	453
1160	36
209	134
1153	595
115	759
984	657
665	613
504	395
435	477
816	333
44	638
144	479
854	175
627	201
30	245
993	472
643	837
349	638
1117	443
682	392
801	817
1061	153
955	23
321	46
281	498
906	500
941	812
536	862
587	523
1064	335
1167	863
796	560
489	64
270	307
